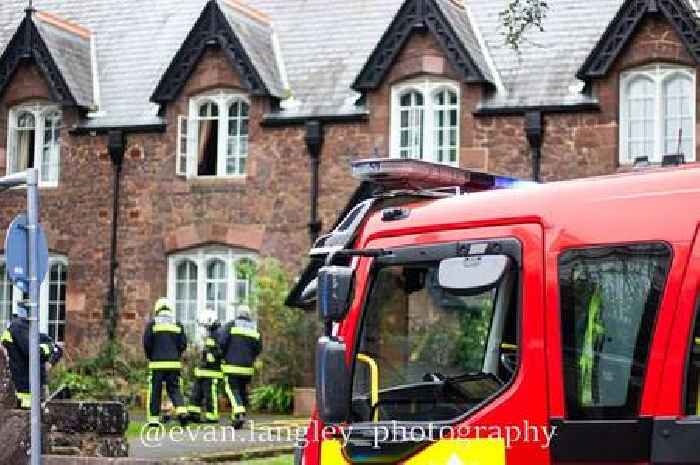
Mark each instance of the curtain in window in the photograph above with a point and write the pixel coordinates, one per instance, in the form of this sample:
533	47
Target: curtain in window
445	126
641	104
237	147
411	116
57	301
207	142
51	148
186	295
24	138
678	118
216	284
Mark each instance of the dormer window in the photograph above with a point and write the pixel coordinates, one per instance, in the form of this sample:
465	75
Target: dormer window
425	121
34	141
213	140
657	113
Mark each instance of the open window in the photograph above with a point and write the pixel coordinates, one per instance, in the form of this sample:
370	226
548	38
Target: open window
427	352
213	139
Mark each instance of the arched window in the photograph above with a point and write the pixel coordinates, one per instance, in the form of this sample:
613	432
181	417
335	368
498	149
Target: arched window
641	101
425	120
213	139
207	277
411	115
445	123
5	298
51	148
237	147
34	141
217	292
679	123
57	301
657	113
186	295
24	139
208	139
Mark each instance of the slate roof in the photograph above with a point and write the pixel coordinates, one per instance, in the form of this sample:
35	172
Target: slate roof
257	37
72	54
324	45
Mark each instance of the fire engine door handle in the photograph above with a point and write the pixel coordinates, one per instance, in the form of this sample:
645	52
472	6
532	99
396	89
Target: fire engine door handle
374	383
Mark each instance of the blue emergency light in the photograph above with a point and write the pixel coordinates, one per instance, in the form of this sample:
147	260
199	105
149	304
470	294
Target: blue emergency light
406	174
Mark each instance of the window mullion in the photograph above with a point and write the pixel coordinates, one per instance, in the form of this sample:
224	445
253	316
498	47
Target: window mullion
223	138
39	144
660	117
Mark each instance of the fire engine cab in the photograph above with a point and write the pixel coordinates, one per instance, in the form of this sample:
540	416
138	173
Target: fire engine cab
482	320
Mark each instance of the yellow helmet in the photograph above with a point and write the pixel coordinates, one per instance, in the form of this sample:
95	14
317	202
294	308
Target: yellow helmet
163	304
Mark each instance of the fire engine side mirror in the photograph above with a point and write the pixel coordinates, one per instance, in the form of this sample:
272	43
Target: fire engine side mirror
332	381
334	290
472	274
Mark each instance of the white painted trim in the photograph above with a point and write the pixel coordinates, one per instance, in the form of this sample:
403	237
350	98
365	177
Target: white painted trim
658	74
485	49
427	86
279	59
96	97
223	99
39	111
200	257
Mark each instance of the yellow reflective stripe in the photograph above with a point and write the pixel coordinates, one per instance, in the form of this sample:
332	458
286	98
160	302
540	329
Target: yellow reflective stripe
490	451
211	416
45	349
164	365
237	370
214	414
166	328
210	342
6	337
506	346
194	409
697	341
246	332
211	358
204	373
374	377
25	399
181	410
235	407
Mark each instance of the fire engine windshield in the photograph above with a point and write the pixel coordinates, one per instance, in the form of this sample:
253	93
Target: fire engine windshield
426	353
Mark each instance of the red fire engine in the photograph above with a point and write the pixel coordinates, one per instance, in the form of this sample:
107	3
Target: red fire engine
476	319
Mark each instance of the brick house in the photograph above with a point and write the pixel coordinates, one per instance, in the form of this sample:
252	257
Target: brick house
178	140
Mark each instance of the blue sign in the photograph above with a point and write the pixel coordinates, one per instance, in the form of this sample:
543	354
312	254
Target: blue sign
17	253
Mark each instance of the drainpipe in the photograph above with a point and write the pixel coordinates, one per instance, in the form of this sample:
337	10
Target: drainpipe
116	145
534	130
314	142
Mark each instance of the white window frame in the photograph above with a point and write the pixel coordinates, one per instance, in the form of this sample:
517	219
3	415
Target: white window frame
658	74
188	134
44	295
200	257
40	111
428	87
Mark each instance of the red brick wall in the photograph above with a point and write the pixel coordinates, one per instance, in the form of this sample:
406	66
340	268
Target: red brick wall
269	210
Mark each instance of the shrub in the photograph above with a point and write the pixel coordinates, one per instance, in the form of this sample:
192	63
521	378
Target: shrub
272	398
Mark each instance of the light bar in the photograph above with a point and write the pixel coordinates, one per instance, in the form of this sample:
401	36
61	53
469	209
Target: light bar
403	174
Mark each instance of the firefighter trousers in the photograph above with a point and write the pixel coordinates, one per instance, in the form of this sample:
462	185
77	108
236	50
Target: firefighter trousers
173	385
237	392
204	401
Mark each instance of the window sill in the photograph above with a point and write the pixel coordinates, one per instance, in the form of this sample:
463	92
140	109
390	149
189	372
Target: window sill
207	181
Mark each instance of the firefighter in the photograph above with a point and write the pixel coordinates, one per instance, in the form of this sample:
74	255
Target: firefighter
164	341
15	340
207	375
240	344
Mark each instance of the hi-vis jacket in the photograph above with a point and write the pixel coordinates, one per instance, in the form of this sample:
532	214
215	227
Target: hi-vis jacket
164	341
240	344
210	364
16	340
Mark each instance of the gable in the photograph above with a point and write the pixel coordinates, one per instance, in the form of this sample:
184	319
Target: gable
447	22
28	43
247	43
627	21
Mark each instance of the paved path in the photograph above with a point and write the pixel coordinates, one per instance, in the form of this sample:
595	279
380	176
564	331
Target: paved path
196	440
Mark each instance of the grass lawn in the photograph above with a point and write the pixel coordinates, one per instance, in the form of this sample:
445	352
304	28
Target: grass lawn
281	460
